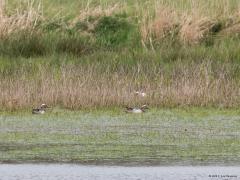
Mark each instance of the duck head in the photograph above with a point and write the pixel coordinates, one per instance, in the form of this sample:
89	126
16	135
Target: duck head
144	107
44	106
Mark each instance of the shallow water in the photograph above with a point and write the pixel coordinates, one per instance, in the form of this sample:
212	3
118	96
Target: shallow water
76	172
112	137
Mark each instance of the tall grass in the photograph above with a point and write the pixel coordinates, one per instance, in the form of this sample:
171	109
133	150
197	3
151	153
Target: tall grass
100	84
179	52
148	24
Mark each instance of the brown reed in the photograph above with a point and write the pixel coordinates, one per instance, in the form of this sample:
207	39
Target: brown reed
82	87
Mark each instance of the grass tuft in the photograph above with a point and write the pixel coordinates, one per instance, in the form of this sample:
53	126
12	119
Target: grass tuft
112	31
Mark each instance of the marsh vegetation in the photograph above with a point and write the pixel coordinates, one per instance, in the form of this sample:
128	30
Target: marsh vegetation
195	136
93	55
183	53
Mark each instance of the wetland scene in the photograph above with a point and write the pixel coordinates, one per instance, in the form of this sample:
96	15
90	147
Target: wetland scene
120	86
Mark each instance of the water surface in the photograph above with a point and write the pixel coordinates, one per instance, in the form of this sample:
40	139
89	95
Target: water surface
78	172
162	137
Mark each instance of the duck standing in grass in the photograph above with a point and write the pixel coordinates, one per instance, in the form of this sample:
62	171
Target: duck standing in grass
40	110
136	110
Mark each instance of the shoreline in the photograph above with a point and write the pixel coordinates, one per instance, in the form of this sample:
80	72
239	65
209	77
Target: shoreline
128	164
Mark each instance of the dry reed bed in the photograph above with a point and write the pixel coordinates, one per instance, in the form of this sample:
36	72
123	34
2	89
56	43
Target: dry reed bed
191	26
22	20
79	87
155	23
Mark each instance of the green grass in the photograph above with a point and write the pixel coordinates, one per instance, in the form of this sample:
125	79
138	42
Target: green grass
52	7
64	32
161	136
87	55
68	34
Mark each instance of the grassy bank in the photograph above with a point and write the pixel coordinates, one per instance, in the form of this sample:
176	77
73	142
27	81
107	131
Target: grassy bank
96	55
160	137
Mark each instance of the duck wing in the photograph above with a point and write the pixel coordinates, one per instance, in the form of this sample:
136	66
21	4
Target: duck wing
36	110
129	108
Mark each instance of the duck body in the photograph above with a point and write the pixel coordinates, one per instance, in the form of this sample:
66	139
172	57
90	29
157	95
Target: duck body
136	110
40	110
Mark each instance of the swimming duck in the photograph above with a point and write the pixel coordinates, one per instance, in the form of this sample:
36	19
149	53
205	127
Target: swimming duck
136	110
140	93
40	110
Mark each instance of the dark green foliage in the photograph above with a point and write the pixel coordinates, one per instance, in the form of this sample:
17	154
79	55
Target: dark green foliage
216	28
24	44
113	31
115	34
52	26
73	45
82	26
210	38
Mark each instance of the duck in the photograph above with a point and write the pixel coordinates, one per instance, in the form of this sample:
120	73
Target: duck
40	110
140	93
136	110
